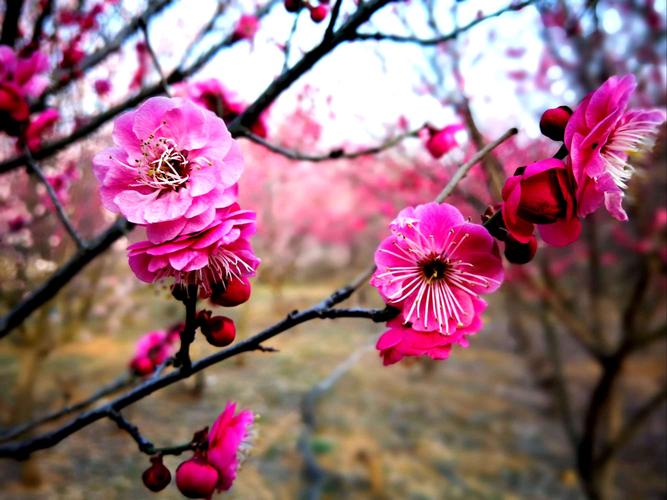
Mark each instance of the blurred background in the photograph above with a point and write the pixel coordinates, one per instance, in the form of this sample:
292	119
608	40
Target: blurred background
505	418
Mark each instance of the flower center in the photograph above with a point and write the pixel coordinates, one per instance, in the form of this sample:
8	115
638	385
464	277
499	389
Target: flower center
434	269
170	170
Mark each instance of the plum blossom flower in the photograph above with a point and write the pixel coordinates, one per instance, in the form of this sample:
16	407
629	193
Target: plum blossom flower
434	267
173	165
246	28
151	350
542	194
20	80
600	136
228	443
400	341
444	141
208	256
40	126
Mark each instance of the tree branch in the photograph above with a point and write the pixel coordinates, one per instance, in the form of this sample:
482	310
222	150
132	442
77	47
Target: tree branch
442	38
632	427
60	211
10	23
334	154
62	276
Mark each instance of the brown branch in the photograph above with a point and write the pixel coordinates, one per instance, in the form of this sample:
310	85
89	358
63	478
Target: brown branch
441	38
187	334
154	58
144	445
334	154
62	276
10	23
23	449
120	383
60	210
632	426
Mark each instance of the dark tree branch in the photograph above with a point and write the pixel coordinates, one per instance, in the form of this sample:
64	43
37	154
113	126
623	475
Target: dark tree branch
632	427
10	24
39	24
334	17
144	445
23	449
188	333
62	276
60	210
154	58
120	383
346	32
334	154
442	38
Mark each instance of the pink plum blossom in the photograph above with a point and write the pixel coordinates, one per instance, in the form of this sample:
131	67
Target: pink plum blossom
246	27
443	141
21	79
228	443
208	256
400	341
600	136
39	126
434	267
173	165
151	350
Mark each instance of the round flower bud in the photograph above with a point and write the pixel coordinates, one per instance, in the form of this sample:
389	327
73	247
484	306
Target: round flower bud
195	478
520	253
236	292
157	476
319	13
219	330
293	5
142	366
553	121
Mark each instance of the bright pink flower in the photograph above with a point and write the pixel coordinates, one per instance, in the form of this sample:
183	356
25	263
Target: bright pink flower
246	27
39	126
228	443
173	165
542	194
196	478
434	267
209	257
151	350
600	136
400	341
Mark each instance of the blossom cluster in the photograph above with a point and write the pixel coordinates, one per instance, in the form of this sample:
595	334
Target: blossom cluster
590	171
174	171
22	80
218	454
435	265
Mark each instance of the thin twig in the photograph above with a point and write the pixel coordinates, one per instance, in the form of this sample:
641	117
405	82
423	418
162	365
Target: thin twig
335	154
187	334
442	38
60	210
122	382
288	42
156	61
334	17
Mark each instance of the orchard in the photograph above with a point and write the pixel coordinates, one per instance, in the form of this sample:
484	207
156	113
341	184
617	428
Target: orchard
333	249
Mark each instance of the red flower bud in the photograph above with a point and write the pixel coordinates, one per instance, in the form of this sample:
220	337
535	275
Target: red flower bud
553	121
157	476
235	292
219	330
293	5
520	253
196	478
319	13
543	194
142	366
